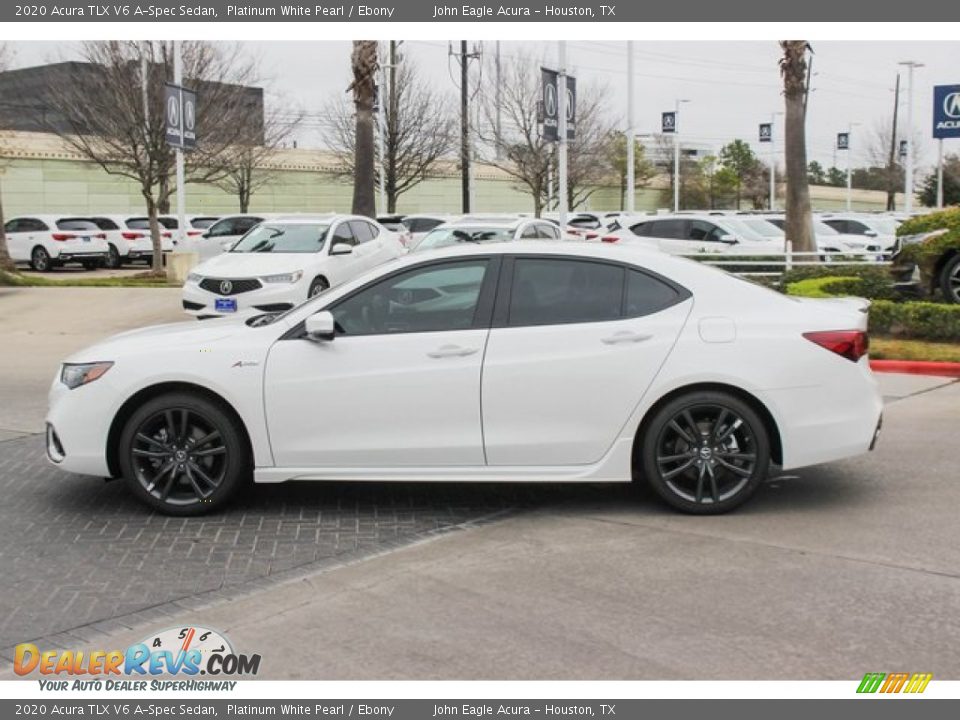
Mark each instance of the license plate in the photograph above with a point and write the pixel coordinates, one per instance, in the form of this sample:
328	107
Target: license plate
85	238
225	305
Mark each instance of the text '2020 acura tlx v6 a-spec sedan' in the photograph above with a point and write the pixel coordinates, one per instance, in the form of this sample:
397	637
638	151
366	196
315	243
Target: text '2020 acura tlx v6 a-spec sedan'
532	362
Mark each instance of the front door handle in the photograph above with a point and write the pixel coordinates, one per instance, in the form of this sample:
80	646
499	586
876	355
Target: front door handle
621	338
445	351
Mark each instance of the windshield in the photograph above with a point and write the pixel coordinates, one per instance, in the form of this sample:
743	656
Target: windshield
763	227
283	238
821	228
745	232
444	236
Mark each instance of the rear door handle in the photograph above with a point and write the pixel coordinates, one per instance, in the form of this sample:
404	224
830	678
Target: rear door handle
624	337
445	351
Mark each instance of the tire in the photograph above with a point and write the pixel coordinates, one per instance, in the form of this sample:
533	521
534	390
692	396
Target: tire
91	264
205	466
318	285
40	259
735	455
113	258
950	280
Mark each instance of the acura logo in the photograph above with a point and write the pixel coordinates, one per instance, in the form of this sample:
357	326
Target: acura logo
226	287
550	103
173	111
951	105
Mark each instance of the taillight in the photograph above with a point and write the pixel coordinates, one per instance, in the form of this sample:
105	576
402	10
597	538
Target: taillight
167	234
610	239
193	233
63	236
851	344
131	235
590	236
102	236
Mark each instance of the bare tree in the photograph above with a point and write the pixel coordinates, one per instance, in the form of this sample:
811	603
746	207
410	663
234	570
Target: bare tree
515	145
111	111
6	263
793	70
419	132
363	62
246	164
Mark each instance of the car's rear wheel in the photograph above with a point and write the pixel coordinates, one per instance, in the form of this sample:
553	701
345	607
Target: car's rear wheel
91	264
113	257
705	452
40	259
183	454
950	280
318	285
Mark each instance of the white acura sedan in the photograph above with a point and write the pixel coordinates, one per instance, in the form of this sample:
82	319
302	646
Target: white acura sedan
522	361
281	262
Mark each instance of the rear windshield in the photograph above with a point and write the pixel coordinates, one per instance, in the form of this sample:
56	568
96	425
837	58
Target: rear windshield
142	223
76	224
444	236
202	223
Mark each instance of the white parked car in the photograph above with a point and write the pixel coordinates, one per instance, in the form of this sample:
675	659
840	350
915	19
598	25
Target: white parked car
419	225
282	262
690	234
526	361
128	238
479	231
45	242
221	235
828	239
880	231
196	226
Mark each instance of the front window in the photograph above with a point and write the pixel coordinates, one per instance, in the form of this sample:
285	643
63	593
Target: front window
446	236
764	227
743	231
283	238
427	299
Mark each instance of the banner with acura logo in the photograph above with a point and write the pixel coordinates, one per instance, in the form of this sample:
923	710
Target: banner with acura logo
946	111
550	105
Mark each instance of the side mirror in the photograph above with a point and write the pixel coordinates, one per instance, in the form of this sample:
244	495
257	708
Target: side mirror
729	239
320	326
341	249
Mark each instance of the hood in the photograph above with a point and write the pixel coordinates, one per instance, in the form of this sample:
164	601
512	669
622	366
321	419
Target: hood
246	265
149	339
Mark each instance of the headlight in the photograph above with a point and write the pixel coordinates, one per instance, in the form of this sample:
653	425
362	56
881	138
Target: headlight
74	375
194	278
283	277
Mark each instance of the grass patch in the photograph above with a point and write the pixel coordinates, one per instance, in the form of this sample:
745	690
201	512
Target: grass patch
139	280
887	348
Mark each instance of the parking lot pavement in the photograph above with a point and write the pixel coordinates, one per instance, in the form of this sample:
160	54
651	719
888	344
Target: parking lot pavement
41	326
824	574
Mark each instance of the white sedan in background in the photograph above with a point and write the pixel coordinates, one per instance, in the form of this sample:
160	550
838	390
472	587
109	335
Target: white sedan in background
281	262
484	231
519	361
828	239
879	231
45	242
692	234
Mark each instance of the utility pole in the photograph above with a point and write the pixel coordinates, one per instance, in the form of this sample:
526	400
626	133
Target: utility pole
562	128
676	155
850	127
464	129
773	159
181	194
499	100
892	159
631	179
939	173
381	136
908	185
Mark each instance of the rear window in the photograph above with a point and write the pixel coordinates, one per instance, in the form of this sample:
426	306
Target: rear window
142	223
76	224
202	223
105	223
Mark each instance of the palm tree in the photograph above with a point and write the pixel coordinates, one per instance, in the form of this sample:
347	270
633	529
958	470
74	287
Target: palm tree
364	63
793	69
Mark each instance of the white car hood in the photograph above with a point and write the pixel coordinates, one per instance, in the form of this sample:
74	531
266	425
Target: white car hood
183	334
246	265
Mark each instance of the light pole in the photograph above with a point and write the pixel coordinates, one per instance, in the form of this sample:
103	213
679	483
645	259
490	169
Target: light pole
676	154
631	180
773	159
562	131
908	185
850	127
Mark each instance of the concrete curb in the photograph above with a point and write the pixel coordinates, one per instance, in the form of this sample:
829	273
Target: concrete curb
917	367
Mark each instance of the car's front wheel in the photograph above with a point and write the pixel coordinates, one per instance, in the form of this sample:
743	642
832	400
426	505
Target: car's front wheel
183	454
40	259
950	279
318	285
705	452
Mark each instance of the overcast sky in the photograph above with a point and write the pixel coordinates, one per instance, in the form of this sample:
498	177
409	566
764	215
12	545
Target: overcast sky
731	86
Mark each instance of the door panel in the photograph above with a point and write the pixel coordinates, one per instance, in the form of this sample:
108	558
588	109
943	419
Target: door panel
560	393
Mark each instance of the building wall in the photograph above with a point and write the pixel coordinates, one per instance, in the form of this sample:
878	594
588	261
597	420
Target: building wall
39	175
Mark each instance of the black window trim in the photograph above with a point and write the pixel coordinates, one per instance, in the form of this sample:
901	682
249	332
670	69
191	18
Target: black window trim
501	310
481	317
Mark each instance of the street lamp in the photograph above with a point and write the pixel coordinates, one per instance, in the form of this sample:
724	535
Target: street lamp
773	159
908	188
850	127
676	154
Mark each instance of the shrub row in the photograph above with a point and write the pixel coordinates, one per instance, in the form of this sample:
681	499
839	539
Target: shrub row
946	219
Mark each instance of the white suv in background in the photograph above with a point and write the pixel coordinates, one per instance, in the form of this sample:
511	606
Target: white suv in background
129	239
282	262
691	234
48	241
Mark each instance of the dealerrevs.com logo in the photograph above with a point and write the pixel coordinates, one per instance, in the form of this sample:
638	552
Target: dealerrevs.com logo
183	651
890	683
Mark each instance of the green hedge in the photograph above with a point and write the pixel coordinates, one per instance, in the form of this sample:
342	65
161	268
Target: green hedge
876	280
919	320
945	219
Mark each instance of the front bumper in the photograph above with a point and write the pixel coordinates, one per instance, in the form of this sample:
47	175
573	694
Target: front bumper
269	298
78	423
